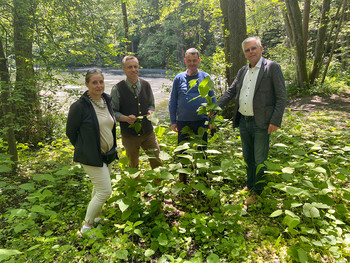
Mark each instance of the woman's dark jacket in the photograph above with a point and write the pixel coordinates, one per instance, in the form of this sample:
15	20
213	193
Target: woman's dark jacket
83	130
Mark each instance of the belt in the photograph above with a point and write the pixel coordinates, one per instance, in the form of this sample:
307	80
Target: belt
248	118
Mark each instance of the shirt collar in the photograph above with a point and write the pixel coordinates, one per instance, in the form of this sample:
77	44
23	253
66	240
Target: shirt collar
258	65
129	84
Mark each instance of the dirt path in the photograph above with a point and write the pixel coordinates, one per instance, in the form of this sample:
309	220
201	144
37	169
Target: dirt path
317	103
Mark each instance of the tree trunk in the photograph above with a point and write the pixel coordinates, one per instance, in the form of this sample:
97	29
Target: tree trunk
320	43
346	48
235	31
306	19
126	27
6	109
27	105
295	21
339	24
345	40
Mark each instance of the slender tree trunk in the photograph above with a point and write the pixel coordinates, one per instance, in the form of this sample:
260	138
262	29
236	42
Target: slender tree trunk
226	33
27	105
7	109
295	21
126	27
345	40
306	19
320	43
339	24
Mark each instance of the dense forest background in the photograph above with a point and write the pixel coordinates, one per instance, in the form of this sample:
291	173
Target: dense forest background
40	38
305	215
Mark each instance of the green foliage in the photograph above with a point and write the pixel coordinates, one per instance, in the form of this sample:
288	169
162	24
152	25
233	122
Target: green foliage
302	216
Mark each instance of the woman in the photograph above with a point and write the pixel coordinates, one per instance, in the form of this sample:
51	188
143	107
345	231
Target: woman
91	128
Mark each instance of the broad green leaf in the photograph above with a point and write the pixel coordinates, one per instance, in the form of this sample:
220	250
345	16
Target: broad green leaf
320	205
280	145
310	211
122	254
288	170
19	212
159	130
38	209
276	213
162	239
138	223
4	169
28	186
302	255
316	148
308	184
126	214
294	190
164	156
164	174
211	193
20	227
199	187
320	170
149	188
291	222
6	253
65	248
211	151
227	164
138	232
290	213
123	204
184	171
213	258
192	83
177	188
295	204
42	177
149	252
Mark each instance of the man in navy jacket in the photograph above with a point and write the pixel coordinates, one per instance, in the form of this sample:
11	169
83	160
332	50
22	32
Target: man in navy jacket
185	101
260	98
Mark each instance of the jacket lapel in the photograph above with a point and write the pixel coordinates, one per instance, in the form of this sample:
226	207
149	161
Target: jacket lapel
261	74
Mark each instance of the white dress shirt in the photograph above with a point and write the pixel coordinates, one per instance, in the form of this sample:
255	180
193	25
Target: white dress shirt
247	92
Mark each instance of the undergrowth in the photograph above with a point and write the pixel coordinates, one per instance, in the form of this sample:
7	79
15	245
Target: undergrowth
302	215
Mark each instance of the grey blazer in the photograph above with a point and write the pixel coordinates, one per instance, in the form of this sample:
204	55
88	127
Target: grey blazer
269	98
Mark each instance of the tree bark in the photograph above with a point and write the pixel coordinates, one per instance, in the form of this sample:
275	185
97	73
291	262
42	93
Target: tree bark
235	31
306	19
27	105
320	43
126	27
6	109
339	24
295	21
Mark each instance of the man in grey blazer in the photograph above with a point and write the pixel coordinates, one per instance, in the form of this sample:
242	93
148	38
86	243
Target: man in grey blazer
260	98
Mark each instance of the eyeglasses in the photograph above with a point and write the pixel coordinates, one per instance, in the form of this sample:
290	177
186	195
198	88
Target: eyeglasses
94	70
250	49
